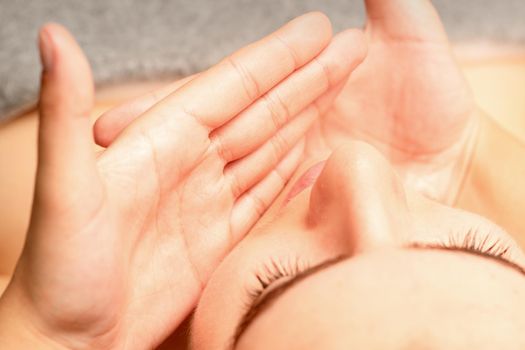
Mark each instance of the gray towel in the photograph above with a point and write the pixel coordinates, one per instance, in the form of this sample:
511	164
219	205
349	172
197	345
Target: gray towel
131	40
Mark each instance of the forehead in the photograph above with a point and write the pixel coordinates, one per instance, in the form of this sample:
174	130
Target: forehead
399	299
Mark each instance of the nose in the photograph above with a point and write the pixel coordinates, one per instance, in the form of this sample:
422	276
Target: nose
359	198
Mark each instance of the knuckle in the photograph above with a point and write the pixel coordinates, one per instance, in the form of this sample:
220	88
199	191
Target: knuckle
222	151
249	82
281	177
290	52
237	186
325	71
317	109
277	109
279	145
259	205
188	113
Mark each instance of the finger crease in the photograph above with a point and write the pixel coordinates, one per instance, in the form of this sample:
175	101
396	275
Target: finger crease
278	112
326	73
258	204
293	54
222	151
280	145
251	87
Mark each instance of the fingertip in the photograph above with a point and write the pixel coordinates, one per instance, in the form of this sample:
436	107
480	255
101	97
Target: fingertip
67	80
57	32
66	95
346	52
51	37
355	43
46	48
321	22
65	49
313	30
358	38
412	19
100	135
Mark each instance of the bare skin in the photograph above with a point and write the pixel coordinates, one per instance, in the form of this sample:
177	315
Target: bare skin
403	253
410	100
107	229
442	160
352	306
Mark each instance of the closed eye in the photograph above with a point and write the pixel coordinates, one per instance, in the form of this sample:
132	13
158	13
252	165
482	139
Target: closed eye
472	243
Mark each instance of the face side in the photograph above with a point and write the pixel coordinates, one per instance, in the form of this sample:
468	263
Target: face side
356	207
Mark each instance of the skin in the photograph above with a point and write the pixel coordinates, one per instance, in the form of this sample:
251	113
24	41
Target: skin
358	208
408	68
344	307
373	233
410	100
108	229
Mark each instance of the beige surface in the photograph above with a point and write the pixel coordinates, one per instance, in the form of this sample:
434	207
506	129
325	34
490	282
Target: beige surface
498	85
499	88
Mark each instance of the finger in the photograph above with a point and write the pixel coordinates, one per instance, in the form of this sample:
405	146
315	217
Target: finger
264	118
246	172
189	115
66	162
412	19
110	124
220	93
229	87
253	204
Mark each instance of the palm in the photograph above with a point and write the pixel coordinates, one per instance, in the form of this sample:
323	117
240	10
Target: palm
160	218
161	256
408	98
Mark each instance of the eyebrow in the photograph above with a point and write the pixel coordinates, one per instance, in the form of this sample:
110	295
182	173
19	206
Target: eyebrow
269	299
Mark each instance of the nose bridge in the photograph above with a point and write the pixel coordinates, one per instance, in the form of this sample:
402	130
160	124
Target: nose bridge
359	197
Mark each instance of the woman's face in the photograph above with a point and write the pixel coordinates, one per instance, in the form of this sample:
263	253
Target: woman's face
357	262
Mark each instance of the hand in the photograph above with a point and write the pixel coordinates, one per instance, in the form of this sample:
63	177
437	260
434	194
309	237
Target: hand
408	98
120	245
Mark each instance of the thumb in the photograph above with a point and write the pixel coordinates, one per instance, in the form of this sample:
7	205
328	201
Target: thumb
405	20
66	161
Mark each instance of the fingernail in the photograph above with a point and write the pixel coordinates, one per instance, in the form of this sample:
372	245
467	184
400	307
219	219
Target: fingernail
46	50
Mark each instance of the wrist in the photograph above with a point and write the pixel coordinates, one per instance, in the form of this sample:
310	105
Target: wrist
18	330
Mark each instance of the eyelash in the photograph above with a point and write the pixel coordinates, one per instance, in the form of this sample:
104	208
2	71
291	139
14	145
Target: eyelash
484	243
272	271
474	240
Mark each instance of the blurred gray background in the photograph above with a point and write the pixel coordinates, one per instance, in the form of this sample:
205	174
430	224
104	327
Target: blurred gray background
132	40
